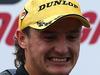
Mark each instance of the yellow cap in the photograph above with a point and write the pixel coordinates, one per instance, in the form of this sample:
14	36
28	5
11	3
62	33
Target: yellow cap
40	14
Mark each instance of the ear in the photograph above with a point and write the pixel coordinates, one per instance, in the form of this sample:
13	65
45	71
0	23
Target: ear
22	39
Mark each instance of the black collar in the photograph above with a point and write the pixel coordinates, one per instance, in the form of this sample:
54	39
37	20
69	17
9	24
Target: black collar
21	71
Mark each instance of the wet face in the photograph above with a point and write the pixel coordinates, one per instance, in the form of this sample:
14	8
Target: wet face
53	51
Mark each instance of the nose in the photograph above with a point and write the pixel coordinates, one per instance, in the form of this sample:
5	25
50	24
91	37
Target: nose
61	46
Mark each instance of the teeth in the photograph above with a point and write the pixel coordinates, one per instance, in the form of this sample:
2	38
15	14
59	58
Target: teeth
59	59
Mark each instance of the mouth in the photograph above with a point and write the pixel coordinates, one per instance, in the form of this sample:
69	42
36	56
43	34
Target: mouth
58	63
58	60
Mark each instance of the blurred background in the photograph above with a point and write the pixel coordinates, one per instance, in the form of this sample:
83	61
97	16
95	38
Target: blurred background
88	62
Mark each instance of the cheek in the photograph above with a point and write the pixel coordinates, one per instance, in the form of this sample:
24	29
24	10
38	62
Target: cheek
76	48
36	52
38	47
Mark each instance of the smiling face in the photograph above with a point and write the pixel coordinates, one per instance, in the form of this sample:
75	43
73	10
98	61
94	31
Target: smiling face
52	51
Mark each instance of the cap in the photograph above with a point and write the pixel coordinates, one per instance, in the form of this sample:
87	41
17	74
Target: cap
39	14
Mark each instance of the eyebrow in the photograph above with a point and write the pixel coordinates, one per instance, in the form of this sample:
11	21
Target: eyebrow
49	32
76	30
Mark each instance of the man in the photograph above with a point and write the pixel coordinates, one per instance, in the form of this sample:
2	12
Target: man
48	37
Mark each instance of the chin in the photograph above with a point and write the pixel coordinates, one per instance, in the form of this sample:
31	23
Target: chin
59	71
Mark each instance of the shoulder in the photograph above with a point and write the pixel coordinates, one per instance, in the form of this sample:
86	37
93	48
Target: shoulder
8	72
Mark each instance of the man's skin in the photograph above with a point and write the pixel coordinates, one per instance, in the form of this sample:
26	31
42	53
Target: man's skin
53	51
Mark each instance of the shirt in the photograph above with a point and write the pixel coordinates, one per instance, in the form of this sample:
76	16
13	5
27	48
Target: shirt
21	71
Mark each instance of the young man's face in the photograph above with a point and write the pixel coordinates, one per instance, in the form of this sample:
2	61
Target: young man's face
53	51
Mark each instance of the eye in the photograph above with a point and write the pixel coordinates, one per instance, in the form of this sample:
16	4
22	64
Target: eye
50	37
73	36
